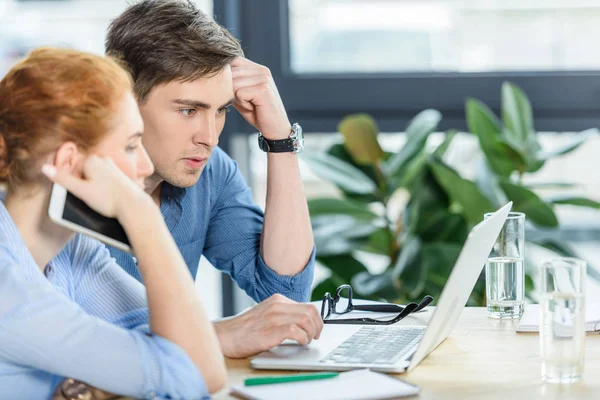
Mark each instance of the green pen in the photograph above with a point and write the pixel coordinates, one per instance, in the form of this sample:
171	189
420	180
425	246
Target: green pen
268	380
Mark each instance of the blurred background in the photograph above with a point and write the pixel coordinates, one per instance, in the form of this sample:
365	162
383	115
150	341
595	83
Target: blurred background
391	59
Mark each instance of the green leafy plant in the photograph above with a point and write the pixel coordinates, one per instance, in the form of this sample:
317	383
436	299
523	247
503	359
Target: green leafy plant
422	240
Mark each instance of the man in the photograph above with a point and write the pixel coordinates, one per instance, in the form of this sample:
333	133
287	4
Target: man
188	71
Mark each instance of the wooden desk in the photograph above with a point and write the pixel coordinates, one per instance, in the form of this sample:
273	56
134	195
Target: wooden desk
482	359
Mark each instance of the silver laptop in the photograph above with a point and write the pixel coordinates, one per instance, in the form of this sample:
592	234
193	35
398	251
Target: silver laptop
394	348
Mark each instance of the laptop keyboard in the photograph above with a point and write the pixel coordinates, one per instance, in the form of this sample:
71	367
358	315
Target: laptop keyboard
375	346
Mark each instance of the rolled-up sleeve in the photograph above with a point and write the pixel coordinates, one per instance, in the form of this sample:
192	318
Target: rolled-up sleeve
295	287
168	370
233	241
42	329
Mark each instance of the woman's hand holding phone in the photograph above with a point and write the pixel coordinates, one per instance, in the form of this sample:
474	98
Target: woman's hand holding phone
103	187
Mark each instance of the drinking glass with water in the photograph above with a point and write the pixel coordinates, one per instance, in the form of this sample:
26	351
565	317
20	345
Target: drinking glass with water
562	325
504	270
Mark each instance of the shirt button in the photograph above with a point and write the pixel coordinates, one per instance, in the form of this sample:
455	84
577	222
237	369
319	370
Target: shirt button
135	261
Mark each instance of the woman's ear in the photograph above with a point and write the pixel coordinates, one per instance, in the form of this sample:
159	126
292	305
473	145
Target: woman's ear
68	157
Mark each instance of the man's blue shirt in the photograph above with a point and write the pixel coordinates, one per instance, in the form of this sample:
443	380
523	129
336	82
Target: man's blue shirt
218	218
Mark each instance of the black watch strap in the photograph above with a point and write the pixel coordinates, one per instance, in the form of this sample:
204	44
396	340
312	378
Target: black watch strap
276	146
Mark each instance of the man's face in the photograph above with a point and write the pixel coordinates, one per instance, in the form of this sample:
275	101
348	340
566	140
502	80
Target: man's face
183	122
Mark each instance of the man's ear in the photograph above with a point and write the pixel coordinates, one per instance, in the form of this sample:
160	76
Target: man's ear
68	157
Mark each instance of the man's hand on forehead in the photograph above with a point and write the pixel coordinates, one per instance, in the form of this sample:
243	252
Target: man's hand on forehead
257	99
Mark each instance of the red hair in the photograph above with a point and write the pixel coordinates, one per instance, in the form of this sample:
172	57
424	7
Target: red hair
51	97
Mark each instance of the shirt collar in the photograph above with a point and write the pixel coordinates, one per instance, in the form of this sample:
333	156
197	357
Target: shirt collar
12	239
9	231
168	191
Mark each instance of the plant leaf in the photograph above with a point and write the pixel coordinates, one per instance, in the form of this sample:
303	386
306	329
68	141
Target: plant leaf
412	170
473	204
443	147
444	256
529	285
341	173
444	226
525	201
487	182
343	266
409	253
516	113
577	140
379	242
324	206
477	297
339	234
333	246
428	198
556	246
360	138
503	159
438	257
416	167
414	278
518	123
551	185
380	285
563	249
575	201
328	285
338	150
417	132
535	163
330	226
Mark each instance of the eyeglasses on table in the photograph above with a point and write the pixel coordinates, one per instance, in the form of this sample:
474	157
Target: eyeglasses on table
331	305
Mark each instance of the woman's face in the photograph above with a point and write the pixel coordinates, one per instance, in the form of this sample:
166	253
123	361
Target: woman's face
124	144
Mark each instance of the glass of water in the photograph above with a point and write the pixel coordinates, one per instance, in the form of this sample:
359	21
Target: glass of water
504	270
562	323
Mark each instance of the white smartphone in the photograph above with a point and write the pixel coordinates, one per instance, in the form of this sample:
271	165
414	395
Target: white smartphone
71	212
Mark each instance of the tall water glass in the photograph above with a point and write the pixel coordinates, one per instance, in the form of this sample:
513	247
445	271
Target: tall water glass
562	327
504	270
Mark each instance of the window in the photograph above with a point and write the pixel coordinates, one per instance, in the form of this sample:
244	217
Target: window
329	36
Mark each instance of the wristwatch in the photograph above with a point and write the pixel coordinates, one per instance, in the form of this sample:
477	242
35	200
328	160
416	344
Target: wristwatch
293	144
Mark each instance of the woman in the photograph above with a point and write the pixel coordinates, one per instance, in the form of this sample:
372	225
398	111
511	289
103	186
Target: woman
66	308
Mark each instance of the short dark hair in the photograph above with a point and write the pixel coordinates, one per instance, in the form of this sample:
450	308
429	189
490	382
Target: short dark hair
162	41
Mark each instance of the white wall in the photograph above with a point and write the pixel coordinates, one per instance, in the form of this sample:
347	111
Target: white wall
80	24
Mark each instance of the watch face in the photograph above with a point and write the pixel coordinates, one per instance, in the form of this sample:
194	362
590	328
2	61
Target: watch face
298	145
297	137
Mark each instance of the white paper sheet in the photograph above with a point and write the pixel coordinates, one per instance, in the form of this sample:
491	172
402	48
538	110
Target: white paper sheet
361	384
530	321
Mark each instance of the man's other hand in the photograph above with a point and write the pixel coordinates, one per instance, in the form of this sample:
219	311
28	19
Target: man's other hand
267	325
